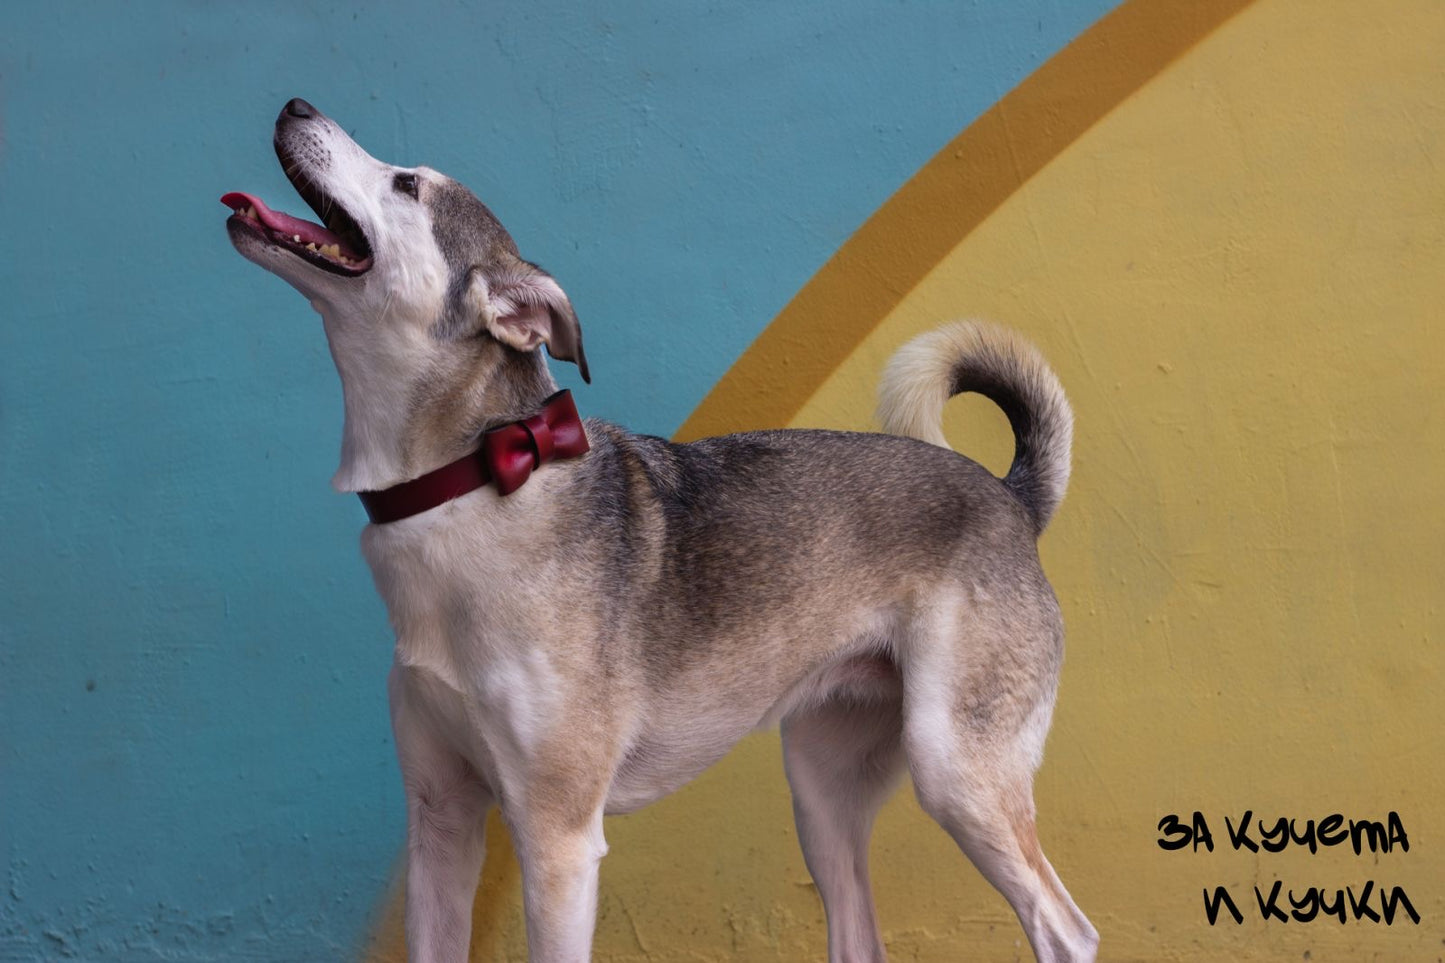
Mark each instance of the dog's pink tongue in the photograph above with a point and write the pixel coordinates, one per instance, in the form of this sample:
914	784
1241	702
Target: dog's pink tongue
292	227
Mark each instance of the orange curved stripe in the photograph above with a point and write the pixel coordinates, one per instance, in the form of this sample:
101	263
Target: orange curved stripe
940	205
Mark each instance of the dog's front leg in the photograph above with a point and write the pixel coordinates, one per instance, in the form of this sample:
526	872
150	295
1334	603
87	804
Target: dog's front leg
559	847
447	804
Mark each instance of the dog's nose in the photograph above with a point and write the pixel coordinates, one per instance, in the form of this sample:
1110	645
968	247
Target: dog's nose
300	108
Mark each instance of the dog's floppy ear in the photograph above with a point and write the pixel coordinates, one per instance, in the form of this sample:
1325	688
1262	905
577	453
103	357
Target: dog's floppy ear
523	306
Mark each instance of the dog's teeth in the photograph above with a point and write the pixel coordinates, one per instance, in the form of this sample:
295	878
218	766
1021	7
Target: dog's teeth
331	250
311	246
296	238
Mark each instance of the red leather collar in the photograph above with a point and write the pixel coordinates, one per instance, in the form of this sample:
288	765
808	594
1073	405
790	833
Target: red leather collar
507	456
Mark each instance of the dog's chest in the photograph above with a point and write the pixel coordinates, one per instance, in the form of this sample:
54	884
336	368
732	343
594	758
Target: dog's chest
466	633
459	594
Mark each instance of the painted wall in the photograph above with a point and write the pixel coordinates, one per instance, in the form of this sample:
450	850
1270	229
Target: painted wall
195	748
1221	221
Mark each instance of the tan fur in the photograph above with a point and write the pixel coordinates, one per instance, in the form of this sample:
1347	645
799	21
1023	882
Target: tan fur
590	642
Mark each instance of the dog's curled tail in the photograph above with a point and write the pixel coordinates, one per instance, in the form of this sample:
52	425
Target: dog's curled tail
1010	372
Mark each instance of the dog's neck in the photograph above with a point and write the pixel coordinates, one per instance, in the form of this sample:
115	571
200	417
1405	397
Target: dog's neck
410	408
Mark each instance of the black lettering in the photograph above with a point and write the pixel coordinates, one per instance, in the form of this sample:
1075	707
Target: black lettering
1388	904
1338	909
1361	907
1267	910
1373	831
1330	833
1276	838
1311	900
1308	838
1211	909
1201	833
1240	837
1169	826
1197	833
1397	832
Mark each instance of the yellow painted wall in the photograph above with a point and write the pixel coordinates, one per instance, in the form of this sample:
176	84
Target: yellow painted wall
1238	274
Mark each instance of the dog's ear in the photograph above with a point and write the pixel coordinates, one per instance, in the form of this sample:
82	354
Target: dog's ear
523	306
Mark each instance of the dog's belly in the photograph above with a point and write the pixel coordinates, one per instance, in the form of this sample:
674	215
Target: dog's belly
689	737
658	768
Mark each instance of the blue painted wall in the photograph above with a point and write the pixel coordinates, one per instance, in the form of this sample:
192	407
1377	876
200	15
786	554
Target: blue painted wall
195	761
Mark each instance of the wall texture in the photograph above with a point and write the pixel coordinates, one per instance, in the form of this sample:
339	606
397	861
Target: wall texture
1224	223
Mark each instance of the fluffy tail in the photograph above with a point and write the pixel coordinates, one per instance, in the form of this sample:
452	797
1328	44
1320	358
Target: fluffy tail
1010	372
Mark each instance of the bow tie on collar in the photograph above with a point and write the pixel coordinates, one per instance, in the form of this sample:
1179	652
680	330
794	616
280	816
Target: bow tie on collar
507	457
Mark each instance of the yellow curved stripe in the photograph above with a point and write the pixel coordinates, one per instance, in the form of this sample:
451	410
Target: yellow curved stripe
940	205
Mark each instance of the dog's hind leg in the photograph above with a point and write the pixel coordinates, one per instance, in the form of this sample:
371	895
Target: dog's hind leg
842	759
991	817
976	711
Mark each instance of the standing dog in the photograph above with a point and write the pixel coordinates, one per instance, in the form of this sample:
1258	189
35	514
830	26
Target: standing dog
596	637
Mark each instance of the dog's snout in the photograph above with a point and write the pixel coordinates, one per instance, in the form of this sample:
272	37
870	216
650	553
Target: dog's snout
300	108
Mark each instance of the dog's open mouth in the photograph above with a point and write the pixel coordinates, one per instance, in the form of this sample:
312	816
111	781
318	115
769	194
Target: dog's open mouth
340	247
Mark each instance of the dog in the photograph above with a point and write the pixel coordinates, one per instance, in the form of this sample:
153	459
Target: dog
597	616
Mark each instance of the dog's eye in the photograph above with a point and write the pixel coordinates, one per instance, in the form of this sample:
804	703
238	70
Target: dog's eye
406	183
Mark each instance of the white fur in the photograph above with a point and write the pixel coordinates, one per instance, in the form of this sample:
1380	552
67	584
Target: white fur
439	581
376	323
486	675
518	312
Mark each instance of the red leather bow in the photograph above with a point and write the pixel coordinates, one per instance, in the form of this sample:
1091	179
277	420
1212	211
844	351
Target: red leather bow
512	451
508	457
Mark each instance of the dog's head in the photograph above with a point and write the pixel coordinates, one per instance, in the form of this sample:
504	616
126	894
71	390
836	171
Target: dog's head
405	252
